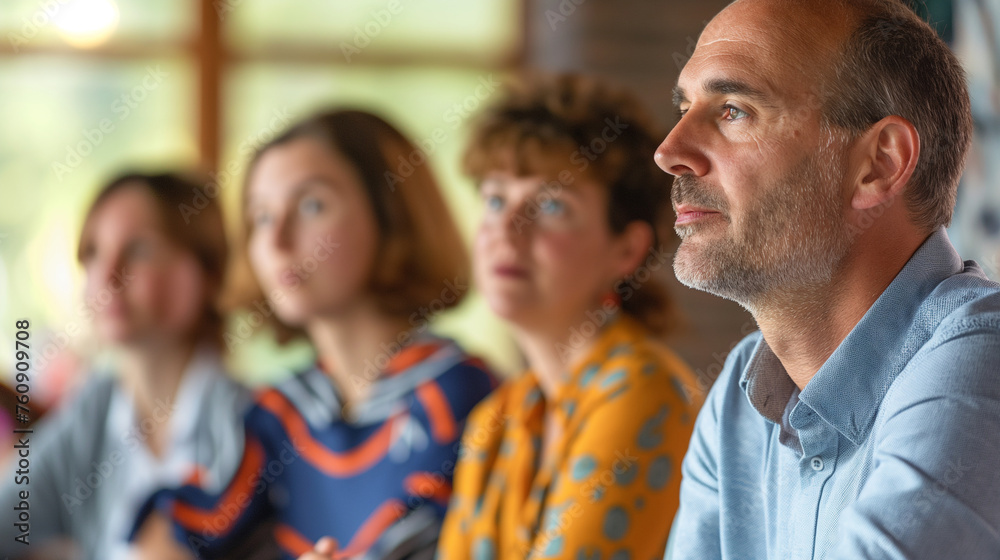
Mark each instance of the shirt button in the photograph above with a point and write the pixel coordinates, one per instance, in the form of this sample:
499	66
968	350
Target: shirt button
817	464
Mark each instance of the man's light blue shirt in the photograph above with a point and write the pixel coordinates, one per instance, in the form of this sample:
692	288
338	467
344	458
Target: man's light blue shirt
891	451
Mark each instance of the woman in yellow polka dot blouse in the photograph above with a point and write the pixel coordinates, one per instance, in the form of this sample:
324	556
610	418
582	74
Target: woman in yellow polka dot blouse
579	457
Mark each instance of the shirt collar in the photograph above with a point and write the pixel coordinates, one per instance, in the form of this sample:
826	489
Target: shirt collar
184	411
847	390
591	373
424	359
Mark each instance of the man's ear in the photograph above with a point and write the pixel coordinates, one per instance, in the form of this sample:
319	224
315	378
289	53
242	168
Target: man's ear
885	157
633	246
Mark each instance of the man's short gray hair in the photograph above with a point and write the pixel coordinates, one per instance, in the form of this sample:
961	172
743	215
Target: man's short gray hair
893	63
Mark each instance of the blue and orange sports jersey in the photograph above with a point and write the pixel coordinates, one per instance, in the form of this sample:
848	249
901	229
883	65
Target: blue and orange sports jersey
376	476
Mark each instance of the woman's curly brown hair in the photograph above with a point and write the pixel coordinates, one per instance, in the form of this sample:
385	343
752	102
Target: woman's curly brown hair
550	125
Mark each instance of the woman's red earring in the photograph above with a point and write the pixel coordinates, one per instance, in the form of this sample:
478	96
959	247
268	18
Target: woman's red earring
611	299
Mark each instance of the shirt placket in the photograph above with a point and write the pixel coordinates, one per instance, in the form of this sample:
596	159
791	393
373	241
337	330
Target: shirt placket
524	493
532	522
820	444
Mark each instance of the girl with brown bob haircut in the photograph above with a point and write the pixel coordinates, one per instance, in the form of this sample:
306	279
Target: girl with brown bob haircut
419	247
346	255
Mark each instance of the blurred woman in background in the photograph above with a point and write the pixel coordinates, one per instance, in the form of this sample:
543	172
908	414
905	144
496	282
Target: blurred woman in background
361	446
580	456
168	412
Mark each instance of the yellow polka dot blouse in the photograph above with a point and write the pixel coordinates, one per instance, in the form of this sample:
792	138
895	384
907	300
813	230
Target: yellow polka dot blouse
609	490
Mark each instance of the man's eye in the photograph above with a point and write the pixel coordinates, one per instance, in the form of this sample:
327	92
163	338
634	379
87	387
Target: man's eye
734	114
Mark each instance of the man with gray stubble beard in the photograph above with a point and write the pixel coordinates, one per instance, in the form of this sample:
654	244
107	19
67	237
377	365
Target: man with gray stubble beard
817	160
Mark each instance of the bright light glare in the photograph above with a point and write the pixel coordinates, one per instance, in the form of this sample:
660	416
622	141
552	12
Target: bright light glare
87	23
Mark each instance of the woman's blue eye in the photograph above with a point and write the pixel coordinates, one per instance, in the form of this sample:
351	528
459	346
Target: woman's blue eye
734	114
494	203
310	206
552	206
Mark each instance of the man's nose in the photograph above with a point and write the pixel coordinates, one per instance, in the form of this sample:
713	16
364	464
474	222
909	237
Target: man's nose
680	152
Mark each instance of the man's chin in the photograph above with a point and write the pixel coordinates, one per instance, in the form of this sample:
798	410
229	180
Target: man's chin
699	270
692	266
699	247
